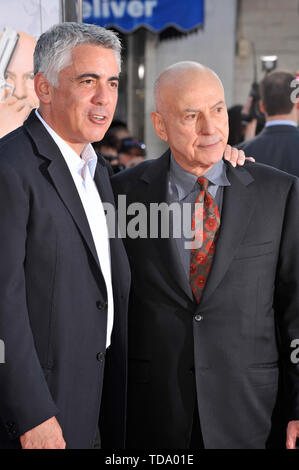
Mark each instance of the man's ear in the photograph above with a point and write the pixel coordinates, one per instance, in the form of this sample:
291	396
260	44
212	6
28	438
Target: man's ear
262	107
159	125
42	88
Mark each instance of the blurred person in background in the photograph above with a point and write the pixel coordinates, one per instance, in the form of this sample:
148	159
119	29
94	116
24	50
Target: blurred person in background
131	152
236	125
278	143
241	130
118	129
19	74
108	148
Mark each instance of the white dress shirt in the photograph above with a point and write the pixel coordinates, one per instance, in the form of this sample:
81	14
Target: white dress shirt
82	171
280	122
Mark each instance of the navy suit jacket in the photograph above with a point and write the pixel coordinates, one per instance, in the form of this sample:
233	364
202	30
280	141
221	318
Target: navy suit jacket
276	146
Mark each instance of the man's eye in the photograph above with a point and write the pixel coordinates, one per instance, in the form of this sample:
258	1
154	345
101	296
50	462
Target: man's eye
29	76
8	78
114	84
219	110
88	81
190	117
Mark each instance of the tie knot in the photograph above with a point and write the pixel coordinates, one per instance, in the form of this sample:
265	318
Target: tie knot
203	182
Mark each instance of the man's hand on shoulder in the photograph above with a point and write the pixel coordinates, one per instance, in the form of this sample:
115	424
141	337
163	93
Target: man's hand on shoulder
47	435
292	434
235	156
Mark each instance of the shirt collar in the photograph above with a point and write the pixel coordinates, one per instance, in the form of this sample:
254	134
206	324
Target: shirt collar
185	181
90	158
75	162
279	122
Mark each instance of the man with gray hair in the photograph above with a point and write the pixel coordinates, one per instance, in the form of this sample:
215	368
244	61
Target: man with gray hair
63	284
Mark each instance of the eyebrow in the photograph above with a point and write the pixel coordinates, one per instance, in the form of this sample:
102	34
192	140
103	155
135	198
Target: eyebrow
13	74
95	75
190	110
217	104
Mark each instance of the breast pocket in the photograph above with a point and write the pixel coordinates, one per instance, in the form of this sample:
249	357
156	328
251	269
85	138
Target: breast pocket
254	250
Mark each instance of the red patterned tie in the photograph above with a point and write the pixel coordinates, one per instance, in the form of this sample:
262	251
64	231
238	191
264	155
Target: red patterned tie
207	212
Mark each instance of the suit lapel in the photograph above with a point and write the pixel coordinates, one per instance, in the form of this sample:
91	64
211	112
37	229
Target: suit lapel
239	202
66	189
61	178
117	254
157	178
102	181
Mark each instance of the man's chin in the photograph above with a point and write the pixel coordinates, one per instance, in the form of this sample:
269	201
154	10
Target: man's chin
97	136
210	157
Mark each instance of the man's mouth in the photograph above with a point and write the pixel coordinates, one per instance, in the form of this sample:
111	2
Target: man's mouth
209	145
98	118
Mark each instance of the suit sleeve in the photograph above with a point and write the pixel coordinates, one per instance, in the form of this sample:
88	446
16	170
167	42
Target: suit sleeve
25	398
287	298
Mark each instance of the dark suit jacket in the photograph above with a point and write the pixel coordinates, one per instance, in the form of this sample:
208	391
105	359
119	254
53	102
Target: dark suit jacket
277	146
53	300
227	351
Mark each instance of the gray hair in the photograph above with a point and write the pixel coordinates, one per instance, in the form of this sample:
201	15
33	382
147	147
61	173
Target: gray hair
53	51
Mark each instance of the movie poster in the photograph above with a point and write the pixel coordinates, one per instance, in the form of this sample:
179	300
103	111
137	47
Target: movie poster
21	23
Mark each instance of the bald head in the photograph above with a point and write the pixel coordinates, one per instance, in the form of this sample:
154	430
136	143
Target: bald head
176	78
191	115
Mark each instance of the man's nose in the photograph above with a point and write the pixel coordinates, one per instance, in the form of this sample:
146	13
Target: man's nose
20	90
101	95
206	125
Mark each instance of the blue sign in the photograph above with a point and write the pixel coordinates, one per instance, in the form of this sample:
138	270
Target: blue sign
127	15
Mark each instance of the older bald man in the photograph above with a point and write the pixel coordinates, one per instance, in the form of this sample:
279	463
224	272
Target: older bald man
212	317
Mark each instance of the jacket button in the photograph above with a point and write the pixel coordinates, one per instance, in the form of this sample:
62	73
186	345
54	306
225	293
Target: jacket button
100	356
101	305
198	317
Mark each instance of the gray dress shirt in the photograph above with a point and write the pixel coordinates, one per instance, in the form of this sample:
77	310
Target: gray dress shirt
183	189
